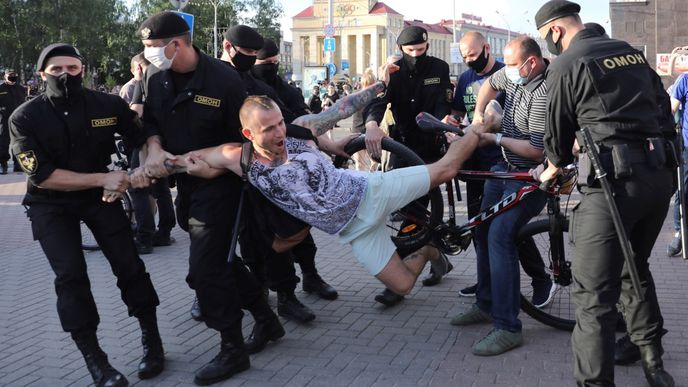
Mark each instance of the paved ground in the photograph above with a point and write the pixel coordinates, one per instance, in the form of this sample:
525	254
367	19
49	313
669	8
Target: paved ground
352	342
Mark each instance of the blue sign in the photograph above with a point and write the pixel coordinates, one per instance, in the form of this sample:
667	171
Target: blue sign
329	44
188	18
345	64
331	70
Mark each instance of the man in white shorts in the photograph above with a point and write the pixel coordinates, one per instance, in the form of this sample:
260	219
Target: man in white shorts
293	174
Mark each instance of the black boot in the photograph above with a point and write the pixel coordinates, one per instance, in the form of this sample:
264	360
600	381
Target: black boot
290	307
388	298
103	374
153	361
196	310
313	283
267	327
231	360
651	360
3	167
625	352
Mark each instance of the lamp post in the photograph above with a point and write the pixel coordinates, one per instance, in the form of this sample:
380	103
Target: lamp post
215	3
508	32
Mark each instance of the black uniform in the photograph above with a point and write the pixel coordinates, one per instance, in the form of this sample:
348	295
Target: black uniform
426	88
194	111
607	86
11	96
291	96
78	135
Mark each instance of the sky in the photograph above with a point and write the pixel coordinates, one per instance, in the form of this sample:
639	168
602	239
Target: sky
516	14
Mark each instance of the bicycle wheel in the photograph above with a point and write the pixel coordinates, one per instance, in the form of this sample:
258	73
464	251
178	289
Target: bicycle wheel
533	239
410	227
88	241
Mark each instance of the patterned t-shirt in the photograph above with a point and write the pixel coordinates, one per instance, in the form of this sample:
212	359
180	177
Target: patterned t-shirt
310	188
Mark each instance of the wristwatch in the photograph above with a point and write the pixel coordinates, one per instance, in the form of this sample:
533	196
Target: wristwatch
498	139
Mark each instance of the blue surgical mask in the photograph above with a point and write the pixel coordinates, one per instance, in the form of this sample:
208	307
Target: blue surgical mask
514	74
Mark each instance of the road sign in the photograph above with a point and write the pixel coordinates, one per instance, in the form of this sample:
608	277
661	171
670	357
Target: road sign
329	30
331	70
179	4
189	19
455	53
345	64
329	44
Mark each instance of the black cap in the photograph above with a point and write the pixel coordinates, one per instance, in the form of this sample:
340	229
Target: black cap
412	35
553	10
57	49
162	25
269	49
244	36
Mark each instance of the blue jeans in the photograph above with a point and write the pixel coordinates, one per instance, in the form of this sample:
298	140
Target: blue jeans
677	200
498	291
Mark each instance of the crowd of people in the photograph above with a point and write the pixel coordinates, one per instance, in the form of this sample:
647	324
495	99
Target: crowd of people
245	153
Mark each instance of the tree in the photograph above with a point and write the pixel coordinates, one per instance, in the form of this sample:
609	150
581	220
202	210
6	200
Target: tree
266	19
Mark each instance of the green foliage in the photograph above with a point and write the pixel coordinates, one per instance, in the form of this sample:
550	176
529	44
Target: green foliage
104	30
266	19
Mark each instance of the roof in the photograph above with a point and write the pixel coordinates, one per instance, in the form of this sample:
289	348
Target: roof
383	8
308	12
436	28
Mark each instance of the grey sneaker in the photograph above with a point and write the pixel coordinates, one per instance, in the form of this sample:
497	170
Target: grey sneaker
497	342
674	248
472	316
441	266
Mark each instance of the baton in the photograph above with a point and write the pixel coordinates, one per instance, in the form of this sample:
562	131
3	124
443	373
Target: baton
626	247
681	194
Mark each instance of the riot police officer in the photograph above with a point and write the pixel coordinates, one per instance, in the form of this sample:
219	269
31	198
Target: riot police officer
63	140
193	102
608	87
421	85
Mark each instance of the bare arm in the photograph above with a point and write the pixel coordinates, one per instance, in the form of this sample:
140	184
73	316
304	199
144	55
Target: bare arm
675	104
219	159
485	95
322	122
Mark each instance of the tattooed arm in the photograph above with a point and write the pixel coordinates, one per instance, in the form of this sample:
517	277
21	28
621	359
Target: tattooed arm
345	107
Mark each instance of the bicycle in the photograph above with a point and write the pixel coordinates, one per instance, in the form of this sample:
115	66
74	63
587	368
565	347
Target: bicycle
423	222
119	163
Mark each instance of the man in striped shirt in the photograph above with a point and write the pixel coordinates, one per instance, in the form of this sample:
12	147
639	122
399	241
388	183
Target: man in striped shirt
523	127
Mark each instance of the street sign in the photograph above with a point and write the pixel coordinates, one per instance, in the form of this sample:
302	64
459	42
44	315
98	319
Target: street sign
329	30
345	64
331	69
455	53
179	4
188	18
329	44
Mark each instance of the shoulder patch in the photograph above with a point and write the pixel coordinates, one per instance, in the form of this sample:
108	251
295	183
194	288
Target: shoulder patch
450	95
214	102
431	81
100	122
611	63
28	162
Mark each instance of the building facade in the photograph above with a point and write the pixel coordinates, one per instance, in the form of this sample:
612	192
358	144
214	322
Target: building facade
655	27
365	33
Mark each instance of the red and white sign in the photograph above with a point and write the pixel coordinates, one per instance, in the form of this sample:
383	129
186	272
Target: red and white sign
680	64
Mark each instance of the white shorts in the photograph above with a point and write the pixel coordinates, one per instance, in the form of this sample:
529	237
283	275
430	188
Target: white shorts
387	192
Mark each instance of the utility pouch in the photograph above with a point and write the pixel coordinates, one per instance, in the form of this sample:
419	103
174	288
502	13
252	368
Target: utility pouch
656	154
586	173
621	158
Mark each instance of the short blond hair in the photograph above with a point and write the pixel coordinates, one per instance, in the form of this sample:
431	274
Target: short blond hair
251	103
368	78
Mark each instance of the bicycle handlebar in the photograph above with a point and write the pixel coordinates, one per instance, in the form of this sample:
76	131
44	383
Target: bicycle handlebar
429	123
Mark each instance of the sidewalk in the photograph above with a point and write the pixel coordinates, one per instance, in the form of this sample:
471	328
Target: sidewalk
352	342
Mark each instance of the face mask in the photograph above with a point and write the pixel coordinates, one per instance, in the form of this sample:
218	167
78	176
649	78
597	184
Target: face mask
414	61
64	85
554	48
514	74
479	64
265	71
12	78
243	62
156	55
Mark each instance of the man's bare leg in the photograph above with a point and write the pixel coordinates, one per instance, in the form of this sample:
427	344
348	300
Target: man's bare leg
400	275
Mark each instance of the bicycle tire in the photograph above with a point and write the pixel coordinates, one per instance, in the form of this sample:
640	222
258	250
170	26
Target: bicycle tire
88	241
428	219
560	312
